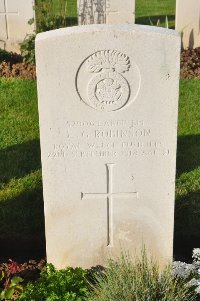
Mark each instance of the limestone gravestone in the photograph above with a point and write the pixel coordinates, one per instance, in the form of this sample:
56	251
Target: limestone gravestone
108	99
188	22
106	11
14	17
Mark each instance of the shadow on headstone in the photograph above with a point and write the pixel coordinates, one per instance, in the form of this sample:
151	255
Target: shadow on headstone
191	39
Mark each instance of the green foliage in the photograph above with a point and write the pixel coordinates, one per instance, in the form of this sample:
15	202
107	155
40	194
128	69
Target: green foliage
187	217
20	165
13	287
10	280
53	285
158	22
138	281
156	10
27	48
50	16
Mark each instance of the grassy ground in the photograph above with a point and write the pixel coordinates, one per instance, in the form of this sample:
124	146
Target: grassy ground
147	11
21	201
187	217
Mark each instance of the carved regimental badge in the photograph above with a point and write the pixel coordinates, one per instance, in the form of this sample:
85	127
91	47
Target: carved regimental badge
107	88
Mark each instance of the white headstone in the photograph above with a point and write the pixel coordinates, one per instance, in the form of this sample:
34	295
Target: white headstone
188	22
14	17
106	11
108	99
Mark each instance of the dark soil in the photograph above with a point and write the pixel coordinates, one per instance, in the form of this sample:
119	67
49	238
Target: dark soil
31	270
14	67
22	70
190	63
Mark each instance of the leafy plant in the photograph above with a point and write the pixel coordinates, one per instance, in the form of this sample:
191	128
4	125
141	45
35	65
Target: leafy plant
158	22
51	14
138	281
48	17
11	282
27	48
53	285
12	288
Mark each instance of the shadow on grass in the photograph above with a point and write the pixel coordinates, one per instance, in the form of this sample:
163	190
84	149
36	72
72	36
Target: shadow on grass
22	235
187	206
19	160
71	21
187	225
146	20
188	153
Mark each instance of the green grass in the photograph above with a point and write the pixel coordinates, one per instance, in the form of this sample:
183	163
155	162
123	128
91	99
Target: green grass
21	201
187	217
145	9
71	7
155	9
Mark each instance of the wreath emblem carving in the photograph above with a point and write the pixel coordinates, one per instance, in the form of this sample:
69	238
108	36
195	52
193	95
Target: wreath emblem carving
108	90
108	80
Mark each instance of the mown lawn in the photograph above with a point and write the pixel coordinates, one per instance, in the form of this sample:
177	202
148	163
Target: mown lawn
187	216
147	11
21	201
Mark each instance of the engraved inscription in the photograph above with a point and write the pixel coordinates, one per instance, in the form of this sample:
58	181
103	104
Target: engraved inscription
107	139
110	196
91	12
108	90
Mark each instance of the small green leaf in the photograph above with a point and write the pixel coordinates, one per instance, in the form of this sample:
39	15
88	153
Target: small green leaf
9	293
2	295
166	22
2	274
15	280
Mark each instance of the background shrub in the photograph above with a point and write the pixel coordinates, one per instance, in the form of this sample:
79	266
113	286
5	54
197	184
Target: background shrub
50	14
27	48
